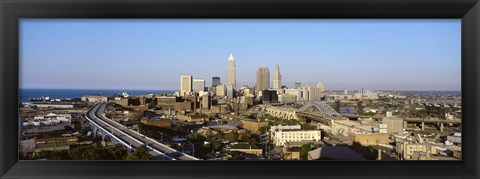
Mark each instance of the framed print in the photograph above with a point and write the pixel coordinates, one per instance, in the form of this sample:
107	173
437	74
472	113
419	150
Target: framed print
239	89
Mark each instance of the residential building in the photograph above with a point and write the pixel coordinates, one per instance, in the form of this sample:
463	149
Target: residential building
192	118
94	98
166	102
394	124
246	148
280	136
372	139
253	126
417	151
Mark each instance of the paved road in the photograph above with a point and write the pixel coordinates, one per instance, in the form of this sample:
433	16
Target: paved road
135	139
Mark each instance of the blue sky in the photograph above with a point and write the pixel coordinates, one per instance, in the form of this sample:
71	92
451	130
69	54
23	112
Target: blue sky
152	54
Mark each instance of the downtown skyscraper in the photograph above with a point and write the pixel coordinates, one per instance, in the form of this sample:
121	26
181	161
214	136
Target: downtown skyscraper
185	84
231	73
263	79
215	81
198	85
277	78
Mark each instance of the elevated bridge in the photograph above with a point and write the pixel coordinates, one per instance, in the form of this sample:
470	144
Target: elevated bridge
131	140
315	110
324	109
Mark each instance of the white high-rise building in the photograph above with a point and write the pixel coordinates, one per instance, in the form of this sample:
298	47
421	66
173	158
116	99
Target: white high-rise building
185	84
229	91
277	78
221	90
314	94
320	86
198	85
231	76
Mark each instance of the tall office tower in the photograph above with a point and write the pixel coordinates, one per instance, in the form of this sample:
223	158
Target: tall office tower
220	90
198	85
215	81
231	71
206	101
263	79
314	93
320	86
277	78
298	85
185	84
230	91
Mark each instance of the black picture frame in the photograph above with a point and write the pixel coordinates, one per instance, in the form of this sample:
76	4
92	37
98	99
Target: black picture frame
13	10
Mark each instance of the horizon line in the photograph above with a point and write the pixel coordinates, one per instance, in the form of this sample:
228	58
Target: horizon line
325	90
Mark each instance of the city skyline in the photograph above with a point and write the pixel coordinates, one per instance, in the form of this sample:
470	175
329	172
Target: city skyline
429	59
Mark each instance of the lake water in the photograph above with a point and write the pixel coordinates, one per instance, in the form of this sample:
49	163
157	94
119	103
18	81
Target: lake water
26	94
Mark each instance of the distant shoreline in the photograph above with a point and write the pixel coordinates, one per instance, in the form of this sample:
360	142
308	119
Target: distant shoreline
327	90
26	95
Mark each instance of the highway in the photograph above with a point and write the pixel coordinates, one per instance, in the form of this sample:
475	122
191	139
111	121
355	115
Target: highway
158	150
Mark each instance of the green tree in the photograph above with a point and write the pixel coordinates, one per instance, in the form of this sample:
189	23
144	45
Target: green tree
119	152
141	153
178	128
252	141
69	128
151	104
77	126
215	145
304	151
231	136
137	115
97	152
307	126
244	138
263	130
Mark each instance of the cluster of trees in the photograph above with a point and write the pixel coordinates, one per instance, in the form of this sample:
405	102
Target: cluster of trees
304	151
281	121
417	113
215	140
306	125
94	152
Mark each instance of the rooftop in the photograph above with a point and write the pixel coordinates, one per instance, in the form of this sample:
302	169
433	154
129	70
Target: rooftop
244	146
335	153
225	126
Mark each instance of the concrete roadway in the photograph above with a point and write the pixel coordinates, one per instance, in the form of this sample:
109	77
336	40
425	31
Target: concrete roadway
159	150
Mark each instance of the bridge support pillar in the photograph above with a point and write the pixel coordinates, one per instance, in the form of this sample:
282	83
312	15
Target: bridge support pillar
94	130
379	157
423	126
441	127
115	142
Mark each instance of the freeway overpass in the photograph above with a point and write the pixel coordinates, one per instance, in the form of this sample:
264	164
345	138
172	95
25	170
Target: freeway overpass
434	121
128	138
410	120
